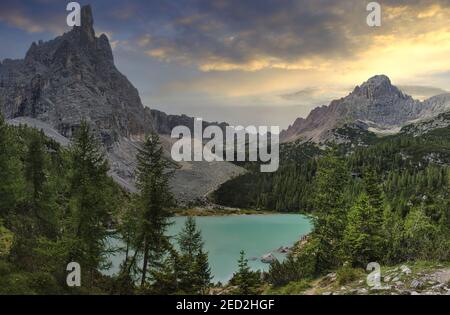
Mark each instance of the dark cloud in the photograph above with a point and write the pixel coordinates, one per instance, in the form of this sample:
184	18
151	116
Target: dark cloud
237	32
240	32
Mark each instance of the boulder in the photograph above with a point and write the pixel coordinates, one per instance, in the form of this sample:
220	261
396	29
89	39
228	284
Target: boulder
283	250
416	284
268	258
405	269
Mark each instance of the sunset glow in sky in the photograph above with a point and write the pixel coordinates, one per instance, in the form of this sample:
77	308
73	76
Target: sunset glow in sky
252	61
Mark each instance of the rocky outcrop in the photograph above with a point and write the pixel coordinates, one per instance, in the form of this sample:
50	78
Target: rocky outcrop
70	78
268	258
420	128
164	123
403	280
376	103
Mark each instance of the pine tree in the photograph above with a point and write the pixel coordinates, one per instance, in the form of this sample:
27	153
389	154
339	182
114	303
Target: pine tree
40	191
373	189
419	235
30	222
129	221
153	174
362	242
35	167
190	239
195	273
246	280
164	276
330	209
202	272
11	176
393	236
91	202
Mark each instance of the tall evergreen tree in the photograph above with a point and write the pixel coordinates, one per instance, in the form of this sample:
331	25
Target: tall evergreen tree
29	220
195	273
419	235
11	176
165	276
246	280
393	236
40	189
91	202
154	198
190	238
202	272
373	188
35	167
330	209
362	241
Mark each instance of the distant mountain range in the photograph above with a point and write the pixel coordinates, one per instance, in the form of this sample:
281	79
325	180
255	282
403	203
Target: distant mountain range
376	105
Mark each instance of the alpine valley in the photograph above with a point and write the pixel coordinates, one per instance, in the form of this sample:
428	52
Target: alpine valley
84	162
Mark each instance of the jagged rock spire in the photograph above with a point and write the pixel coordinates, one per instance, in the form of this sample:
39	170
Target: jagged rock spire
87	19
87	25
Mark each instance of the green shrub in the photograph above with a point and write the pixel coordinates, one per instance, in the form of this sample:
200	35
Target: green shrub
6	240
16	284
5	268
300	267
43	284
25	283
293	288
347	274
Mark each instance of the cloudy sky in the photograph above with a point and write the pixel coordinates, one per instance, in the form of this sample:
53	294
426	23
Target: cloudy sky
252	61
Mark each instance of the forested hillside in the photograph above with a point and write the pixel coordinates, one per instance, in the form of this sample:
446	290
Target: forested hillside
386	202
59	206
409	168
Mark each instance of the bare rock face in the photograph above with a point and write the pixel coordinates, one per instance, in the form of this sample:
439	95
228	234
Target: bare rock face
73	77
376	103
70	78
425	126
164	123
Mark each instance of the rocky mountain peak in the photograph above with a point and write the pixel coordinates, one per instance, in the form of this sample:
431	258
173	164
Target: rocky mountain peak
70	78
87	19
378	80
376	104
379	86
78	44
87	24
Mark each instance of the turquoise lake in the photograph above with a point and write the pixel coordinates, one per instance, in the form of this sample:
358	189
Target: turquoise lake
225	237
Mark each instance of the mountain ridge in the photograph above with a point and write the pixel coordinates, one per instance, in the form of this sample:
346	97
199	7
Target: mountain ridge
72	78
376	103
